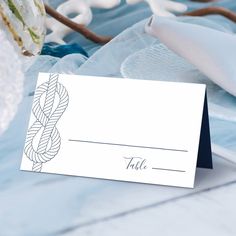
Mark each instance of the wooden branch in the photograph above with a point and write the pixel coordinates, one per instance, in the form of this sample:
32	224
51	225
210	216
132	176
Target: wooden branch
204	0
213	11
104	39
77	27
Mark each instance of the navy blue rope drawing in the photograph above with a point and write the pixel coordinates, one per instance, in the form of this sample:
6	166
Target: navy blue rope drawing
47	117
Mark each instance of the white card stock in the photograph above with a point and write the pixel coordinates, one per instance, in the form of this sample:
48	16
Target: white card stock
122	129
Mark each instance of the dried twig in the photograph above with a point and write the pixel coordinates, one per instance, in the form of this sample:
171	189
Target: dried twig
204	0
213	11
77	27
104	39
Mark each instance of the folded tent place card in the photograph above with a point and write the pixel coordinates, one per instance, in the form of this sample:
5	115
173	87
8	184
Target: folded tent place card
122	129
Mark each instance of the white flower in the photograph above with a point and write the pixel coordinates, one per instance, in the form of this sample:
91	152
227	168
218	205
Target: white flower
11	81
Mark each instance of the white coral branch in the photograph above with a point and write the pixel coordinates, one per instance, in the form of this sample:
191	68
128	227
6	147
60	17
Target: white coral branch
84	16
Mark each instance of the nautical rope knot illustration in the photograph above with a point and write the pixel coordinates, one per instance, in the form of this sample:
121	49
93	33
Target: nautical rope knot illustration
50	101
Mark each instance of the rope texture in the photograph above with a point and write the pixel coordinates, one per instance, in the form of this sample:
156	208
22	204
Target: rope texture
47	117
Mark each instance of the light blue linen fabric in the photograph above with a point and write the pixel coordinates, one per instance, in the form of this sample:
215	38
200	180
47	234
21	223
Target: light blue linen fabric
35	210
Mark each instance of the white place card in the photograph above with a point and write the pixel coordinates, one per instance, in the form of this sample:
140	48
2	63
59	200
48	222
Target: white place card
121	129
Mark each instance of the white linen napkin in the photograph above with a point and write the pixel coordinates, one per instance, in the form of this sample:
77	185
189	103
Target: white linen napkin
211	51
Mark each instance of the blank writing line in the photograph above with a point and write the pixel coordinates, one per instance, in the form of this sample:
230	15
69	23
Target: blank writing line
127	145
154	168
